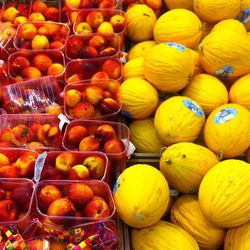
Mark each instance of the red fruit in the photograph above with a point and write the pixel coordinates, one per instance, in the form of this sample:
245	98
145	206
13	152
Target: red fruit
8	210
88	52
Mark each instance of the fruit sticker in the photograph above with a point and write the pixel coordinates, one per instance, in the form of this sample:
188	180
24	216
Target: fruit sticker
224	71
225	115
117	185
244	18
193	107
178	46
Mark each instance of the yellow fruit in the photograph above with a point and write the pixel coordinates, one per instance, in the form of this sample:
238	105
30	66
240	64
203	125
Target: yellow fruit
229	24
186	214
140	23
140	49
213	11
162	236
168	66
240	91
244	14
225	54
178	25
238	238
73	4
144	136
197	63
134	68
10	14
227	130
39	42
178	119
139	98
184	165
208	91
179	4
223	194
145	192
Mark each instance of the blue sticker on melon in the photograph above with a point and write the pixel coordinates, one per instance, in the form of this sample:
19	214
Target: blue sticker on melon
178	46
193	107
224	71
117	184
225	115
244	18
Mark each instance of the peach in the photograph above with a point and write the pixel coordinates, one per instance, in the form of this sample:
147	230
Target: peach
61	207
54	109
153	4
42	61
35	127
108	52
114	148
31	72
22	197
20	19
39	42
48	135
113	87
20	134
93	94
74	45
52	29
9	171
109	106
52	14
107	94
35	145
112	68
65	161
107	4
25	165
39	6
76	134
105	27
8	210
96	165
51	173
72	97
88	52
96	208
86	4
55	69
97	41
4	160
94	19
5	135
83	28
74	78
80	193
27	31
89	143
56	45
74	4
36	16
10	14
105	133
118	23
83	110
47	194
100	79
78	172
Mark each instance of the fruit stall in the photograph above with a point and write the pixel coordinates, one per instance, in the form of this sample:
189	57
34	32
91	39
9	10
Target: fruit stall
124	124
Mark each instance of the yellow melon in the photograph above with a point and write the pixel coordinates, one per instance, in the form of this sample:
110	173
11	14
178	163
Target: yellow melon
144	136
208	91
145	192
179	4
162	236
225	54
184	165
223	194
139	98
197	63
187	214
238	238
140	49
227	130
213	11
168	66
240	91
178	25
245	14
229	24
178	119
134	68
140	23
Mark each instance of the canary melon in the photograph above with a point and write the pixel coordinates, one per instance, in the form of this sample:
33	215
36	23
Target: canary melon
162	236
240	91
187	214
227	130
178	25
144	137
168	66
134	68
213	11
179	4
223	194
208	91
178	119
139	98
184	165
145	192
228	25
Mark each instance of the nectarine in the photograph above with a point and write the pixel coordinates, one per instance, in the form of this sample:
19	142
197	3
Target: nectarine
65	161
89	143
76	134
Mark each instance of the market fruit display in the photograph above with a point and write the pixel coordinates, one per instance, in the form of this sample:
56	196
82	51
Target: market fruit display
134	68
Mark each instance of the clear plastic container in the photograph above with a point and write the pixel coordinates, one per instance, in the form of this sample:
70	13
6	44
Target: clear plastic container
38	132
85	69
41	35
78	213
40	95
19	69
93	103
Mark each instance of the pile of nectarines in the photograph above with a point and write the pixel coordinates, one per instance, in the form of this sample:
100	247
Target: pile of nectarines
34	64
87	4
41	35
67	202
94	69
74	166
91	101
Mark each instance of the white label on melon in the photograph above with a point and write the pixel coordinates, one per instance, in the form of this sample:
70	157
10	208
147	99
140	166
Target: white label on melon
225	115
193	107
